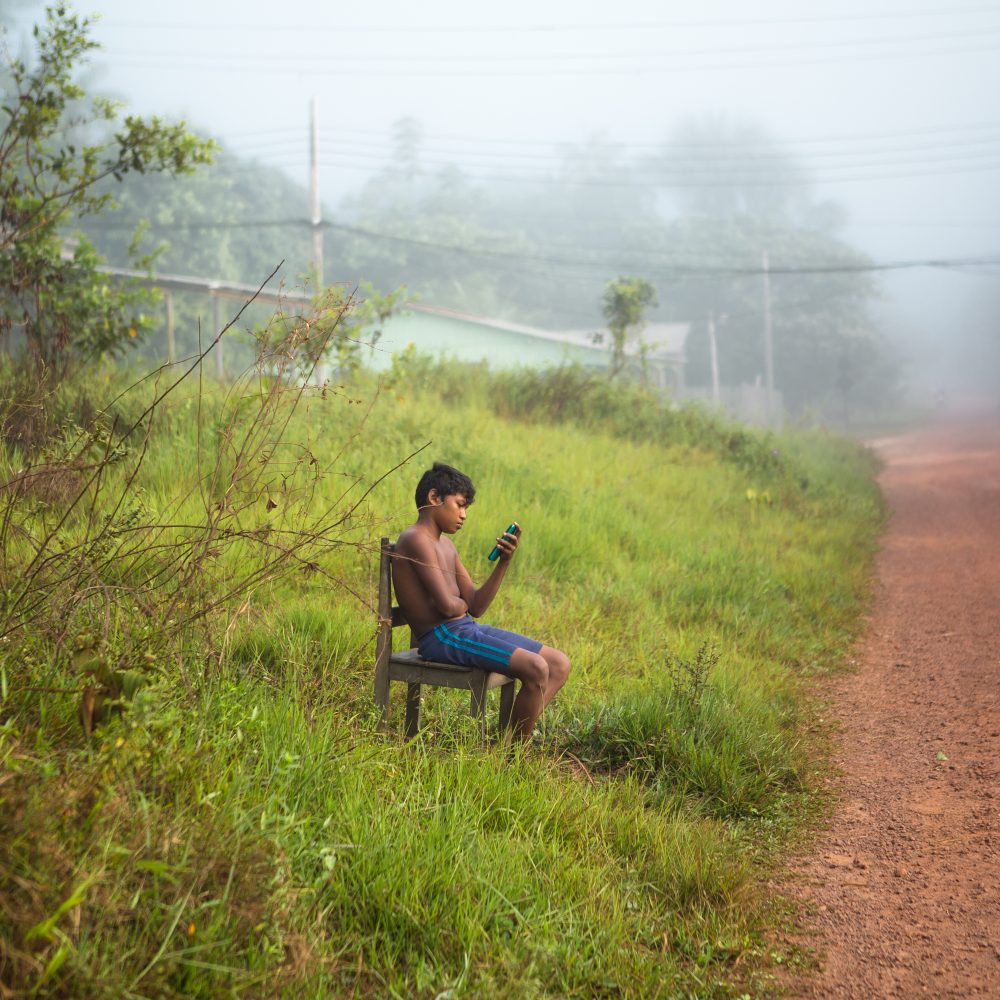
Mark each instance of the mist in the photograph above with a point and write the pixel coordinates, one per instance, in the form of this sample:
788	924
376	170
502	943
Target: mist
588	139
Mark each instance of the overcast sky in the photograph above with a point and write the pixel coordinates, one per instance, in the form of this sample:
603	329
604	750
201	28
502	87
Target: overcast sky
891	103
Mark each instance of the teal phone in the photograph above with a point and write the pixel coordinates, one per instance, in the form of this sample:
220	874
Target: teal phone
514	529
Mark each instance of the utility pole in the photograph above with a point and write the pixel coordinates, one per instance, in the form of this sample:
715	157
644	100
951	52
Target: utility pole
768	340
317	221
713	354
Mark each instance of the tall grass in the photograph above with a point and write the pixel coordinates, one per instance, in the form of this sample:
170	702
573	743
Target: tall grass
242	829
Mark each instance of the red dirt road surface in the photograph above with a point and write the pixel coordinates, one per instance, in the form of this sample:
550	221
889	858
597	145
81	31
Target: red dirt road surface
902	894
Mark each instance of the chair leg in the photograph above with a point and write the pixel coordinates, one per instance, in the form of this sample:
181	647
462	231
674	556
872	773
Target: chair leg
506	705
382	699
478	698
412	710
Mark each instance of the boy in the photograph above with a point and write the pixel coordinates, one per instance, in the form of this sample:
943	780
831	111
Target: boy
441	602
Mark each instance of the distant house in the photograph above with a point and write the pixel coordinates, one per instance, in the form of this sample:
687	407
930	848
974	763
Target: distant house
501	344
658	352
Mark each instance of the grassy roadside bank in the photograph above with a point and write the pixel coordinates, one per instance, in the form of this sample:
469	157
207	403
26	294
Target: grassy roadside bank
242	829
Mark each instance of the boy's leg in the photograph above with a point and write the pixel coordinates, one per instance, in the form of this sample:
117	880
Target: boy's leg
541	669
532	670
541	675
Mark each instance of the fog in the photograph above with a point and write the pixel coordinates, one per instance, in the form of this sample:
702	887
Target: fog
886	109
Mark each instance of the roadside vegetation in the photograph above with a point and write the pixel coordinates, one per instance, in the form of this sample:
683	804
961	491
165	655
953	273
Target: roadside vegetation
190	575
194	798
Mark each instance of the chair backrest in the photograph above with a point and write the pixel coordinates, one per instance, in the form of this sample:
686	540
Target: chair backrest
383	637
389	616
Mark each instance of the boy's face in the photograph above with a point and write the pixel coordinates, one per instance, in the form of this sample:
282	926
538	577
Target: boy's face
450	512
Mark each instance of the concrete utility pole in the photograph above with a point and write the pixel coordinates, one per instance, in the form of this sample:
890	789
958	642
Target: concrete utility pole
713	354
317	221
768	340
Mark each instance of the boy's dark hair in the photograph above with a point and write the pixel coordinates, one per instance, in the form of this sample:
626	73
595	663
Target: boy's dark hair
446	481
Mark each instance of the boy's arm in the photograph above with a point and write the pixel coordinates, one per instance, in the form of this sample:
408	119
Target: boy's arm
422	555
479	598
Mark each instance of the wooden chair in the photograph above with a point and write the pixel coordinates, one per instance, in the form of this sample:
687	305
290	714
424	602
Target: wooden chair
415	672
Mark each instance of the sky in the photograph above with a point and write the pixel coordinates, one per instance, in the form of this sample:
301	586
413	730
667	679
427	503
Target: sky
891	104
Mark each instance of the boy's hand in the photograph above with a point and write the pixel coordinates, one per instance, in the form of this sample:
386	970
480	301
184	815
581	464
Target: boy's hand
507	544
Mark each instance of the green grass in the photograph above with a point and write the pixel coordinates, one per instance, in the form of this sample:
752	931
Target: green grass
243	830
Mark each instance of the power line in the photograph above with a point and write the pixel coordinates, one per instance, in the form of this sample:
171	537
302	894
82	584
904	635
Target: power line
710	176
667	155
301	60
838	268
668	165
550	27
932	130
678	174
666	150
118	226
928	224
113	226
369	162
676	268
259	65
671	155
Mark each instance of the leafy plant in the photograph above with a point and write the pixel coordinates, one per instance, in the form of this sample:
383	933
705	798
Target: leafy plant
625	303
341	326
55	150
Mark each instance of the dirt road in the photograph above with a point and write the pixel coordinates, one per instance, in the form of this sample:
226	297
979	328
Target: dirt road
901	896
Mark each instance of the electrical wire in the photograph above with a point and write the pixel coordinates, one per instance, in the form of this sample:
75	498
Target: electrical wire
303	60
680	269
265	65
804	177
839	268
706	144
569	26
739	165
669	155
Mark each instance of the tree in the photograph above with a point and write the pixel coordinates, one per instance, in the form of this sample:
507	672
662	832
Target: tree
235	222
56	149
717	166
818	314
537	234
625	303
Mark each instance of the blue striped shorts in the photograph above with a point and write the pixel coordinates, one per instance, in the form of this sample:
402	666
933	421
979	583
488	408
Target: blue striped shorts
467	643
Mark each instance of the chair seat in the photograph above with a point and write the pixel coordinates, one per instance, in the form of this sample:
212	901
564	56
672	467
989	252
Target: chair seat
407	665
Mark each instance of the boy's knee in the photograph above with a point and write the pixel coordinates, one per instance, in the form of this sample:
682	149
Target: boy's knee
559	666
565	666
535	670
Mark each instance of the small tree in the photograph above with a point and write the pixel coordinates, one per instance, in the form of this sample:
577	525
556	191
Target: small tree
56	149
625	303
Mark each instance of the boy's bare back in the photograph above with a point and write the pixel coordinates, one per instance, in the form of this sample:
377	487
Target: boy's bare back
425	578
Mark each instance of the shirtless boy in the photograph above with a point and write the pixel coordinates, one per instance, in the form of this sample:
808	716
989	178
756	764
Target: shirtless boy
441	602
